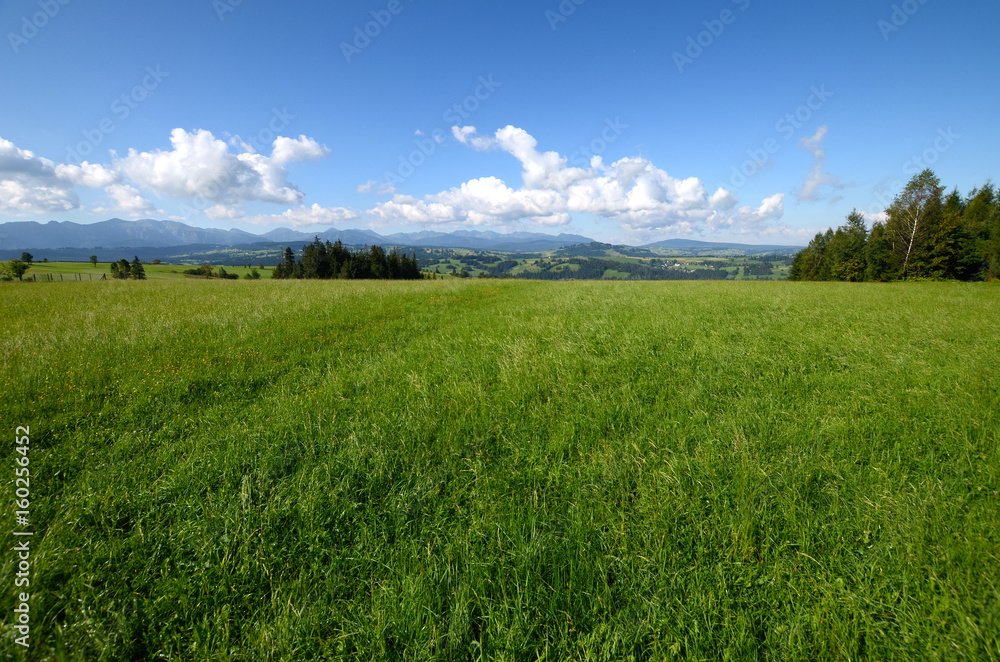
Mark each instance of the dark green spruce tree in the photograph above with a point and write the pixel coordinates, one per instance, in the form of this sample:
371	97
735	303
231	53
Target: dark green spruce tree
136	270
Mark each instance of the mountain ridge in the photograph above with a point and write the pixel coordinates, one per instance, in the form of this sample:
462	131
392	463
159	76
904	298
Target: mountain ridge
120	234
150	233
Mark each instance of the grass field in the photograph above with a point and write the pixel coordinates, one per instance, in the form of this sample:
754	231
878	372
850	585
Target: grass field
86	272
505	470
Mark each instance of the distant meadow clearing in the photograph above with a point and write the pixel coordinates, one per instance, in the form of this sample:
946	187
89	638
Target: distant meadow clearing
505	470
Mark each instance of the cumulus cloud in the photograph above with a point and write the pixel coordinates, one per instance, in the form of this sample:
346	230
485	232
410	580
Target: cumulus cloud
467	136
200	166
129	200
33	184
289	150
305	216
15	161
632	192
15	196
224	212
487	201
724	200
641	198
540	169
90	175
771	208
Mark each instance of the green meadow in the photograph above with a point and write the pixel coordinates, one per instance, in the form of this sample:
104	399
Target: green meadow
45	272
504	470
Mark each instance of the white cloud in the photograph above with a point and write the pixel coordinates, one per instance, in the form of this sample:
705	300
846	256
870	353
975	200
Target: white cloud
463	133
130	201
239	143
771	208
632	192
219	212
642	199
467	136
90	175
200	166
34	184
15	161
288	150
305	216
381	188
724	200
875	217
15	196
783	232
817	177
540	169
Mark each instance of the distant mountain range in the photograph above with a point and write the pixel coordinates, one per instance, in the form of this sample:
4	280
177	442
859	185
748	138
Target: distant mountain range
690	246
66	239
116	233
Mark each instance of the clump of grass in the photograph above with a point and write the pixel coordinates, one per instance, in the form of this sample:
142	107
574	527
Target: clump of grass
507	470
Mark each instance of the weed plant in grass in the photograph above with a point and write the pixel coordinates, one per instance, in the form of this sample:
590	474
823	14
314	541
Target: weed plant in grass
506	470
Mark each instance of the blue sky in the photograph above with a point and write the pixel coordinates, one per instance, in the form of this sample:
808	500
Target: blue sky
627	122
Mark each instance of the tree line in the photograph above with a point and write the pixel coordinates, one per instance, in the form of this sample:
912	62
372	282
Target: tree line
326	261
208	271
926	235
124	270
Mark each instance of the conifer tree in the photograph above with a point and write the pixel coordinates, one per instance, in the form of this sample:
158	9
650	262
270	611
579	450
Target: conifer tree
120	269
878	255
136	270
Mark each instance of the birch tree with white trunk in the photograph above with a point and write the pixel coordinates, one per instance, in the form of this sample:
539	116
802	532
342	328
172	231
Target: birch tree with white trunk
908	214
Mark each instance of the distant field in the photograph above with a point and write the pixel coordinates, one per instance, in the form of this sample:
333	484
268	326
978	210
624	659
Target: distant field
448	263
565	263
85	271
505	470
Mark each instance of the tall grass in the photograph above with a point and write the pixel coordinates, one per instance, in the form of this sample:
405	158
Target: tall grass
507	470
